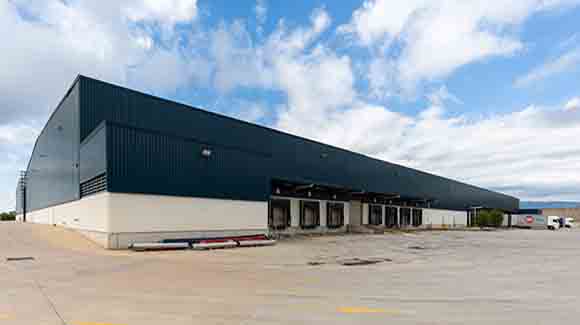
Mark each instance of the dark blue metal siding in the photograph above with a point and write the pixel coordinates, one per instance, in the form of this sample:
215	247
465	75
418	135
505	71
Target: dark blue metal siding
53	173
93	155
142	161
158	151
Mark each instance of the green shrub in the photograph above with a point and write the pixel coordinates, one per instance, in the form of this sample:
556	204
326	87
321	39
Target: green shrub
490	218
481	219
8	216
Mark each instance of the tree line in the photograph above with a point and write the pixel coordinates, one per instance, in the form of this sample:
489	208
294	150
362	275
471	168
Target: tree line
8	216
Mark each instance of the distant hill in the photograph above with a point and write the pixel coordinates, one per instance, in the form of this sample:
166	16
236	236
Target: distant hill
548	204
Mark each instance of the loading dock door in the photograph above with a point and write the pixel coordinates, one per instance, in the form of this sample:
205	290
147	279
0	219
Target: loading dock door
279	216
391	217
405	217
375	215
309	214
417	217
335	215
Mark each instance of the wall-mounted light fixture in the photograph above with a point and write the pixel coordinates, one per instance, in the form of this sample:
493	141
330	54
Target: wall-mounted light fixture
206	152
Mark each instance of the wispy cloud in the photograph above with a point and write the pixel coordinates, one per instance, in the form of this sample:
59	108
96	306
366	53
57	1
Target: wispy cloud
425	40
566	62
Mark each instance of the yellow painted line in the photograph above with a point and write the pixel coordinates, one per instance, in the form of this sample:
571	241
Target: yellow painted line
366	310
92	323
5	316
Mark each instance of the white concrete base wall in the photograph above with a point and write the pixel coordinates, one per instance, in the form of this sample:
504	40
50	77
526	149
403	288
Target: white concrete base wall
116	220
159	213
365	213
355	213
42	216
432	218
89	216
149	218
438	218
90	213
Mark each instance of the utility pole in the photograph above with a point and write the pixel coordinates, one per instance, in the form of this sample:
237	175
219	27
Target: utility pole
22	187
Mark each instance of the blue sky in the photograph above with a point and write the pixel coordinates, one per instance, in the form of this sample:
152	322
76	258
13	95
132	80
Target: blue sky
483	92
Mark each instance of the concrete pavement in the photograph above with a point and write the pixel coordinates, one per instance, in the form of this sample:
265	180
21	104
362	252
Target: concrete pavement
502	277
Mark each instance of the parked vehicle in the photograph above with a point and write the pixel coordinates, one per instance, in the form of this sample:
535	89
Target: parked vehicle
553	222
568	222
537	221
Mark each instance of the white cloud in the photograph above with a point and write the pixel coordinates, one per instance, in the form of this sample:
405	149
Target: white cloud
290	61
18	134
55	40
167	11
380	20
52	41
439	40
573	104
317	85
566	62
420	40
15	139
47	43
239	62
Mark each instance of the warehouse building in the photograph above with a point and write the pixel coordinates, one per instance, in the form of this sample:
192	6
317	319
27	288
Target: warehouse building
122	167
562	212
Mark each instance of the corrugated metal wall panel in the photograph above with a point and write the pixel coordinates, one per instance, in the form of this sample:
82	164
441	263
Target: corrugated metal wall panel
142	161
289	157
93	157
53	169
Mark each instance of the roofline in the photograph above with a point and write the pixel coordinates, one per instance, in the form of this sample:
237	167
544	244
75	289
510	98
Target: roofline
188	106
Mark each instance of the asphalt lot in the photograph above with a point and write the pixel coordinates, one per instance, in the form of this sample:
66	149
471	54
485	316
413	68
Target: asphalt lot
504	277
